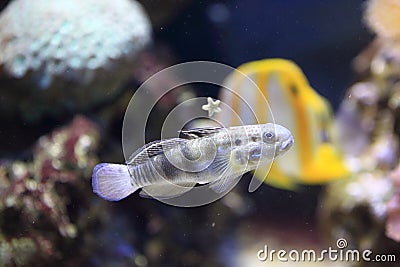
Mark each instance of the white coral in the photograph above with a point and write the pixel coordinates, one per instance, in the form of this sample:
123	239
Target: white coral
65	37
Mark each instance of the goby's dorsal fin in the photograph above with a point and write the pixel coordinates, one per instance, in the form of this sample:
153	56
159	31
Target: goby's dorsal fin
199	132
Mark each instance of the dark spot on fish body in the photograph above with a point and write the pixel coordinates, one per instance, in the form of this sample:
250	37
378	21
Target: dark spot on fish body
294	90
169	170
238	142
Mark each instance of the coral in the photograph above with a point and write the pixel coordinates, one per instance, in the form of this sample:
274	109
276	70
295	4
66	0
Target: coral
59	36
365	194
75	51
365	209
382	16
393	209
45	203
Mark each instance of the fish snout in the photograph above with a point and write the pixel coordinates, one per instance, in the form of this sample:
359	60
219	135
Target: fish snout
285	140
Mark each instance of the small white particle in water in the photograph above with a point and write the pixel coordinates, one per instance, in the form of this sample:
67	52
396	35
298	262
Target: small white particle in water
213	224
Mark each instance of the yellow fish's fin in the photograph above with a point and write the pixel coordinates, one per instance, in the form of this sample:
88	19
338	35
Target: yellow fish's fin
275	177
326	166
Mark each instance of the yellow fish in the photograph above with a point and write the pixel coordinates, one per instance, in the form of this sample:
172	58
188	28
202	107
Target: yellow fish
313	159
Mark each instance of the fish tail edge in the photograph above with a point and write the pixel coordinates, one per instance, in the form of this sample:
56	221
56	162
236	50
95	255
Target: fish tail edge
112	182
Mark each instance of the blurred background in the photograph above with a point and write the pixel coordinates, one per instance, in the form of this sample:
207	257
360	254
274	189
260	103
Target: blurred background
68	71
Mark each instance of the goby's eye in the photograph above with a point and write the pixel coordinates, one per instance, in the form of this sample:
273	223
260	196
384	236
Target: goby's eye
269	137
